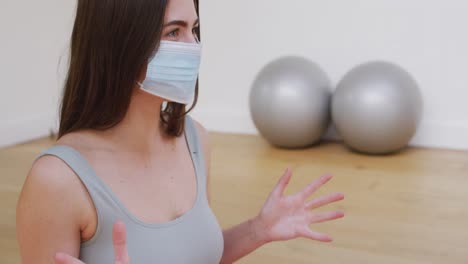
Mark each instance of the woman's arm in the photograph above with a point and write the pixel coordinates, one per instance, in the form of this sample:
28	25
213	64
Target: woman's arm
49	212
242	239
281	218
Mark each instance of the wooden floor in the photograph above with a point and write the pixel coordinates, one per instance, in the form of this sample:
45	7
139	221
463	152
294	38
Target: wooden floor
406	208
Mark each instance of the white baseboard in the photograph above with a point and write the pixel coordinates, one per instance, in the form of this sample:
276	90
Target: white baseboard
430	134
29	128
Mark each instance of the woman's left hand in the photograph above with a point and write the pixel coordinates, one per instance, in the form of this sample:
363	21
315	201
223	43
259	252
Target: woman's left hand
287	217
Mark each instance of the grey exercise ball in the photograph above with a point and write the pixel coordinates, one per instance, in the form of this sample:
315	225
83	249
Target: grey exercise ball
377	108
290	101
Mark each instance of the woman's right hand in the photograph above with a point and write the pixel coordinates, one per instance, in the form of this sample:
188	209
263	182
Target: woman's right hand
119	240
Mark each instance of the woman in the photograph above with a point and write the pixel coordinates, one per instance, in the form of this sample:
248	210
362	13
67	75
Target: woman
127	153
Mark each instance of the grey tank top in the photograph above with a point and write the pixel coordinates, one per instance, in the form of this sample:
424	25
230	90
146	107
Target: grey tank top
194	237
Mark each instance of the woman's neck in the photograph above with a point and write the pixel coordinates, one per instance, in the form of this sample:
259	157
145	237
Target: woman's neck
140	130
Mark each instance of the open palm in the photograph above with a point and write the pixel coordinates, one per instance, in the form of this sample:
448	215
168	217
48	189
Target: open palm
287	217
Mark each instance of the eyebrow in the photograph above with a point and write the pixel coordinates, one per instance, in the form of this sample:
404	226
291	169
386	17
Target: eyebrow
180	23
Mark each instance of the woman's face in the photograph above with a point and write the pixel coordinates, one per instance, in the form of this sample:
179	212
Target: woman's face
180	22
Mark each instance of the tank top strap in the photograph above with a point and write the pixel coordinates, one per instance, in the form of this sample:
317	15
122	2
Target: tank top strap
196	152
77	163
100	193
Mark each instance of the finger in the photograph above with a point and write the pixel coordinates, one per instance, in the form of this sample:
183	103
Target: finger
119	239
325	216
283	182
324	200
61	258
314	186
310	234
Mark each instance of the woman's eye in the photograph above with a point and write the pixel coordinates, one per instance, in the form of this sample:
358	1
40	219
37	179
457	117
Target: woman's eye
173	33
196	32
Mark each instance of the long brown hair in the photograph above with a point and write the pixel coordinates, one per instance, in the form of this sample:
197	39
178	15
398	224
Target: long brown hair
111	43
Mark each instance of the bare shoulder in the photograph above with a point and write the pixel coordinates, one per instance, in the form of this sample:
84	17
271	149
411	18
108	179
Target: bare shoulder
51	182
51	172
52	204
51	178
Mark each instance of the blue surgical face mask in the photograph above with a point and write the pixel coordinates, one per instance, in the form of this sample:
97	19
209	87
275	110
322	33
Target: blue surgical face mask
173	71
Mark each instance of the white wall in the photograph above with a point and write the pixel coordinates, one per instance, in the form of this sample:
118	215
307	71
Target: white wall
428	38
34	35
